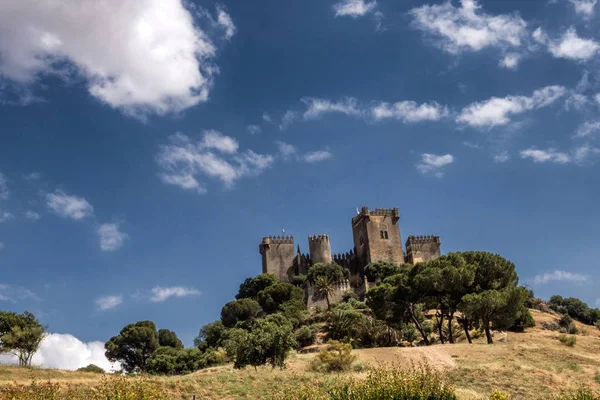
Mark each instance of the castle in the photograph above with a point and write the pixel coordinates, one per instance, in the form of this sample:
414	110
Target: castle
376	238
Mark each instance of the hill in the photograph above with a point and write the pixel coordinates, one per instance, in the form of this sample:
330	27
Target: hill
530	365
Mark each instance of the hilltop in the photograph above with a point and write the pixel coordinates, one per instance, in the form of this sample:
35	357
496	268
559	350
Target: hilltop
530	365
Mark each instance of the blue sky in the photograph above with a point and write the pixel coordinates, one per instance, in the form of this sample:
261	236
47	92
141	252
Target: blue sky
146	150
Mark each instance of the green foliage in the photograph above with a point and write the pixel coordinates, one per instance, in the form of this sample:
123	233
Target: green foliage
379	270
133	346
524	320
359	366
575	308
305	335
493	271
272	297
267	341
498	395
241	310
20	334
169	338
568	340
344	324
91	368
333	272
581	394
298	280
211	335
336	357
252	286
565	321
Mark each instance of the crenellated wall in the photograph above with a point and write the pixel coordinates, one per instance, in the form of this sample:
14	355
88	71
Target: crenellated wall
422	248
313	301
278	256
320	249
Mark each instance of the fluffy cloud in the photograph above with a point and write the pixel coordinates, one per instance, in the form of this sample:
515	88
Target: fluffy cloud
585	8
502	157
14	293
563	276
64	351
588	129
3	187
317	107
160	294
577	155
32	215
68	206
254	129
108	302
497	111
288	118
215	156
267	118
149	56
316	156
225	21
432	163
111	238
286	150
569	45
5	216
354	8
465	28
409	111
510	61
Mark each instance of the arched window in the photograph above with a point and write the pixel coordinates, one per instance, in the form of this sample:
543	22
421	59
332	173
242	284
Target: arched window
385	234
362	241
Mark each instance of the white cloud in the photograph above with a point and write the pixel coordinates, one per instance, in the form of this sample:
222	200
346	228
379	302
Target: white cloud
182	161
510	61
254	129
15	293
497	111
577	155
585	8
409	111
285	149
576	101
317	107
559	276
502	157
588	128
111	238
5	216
354	8
160	294
267	118
569	46
108	302
4	192
288	118
464	28
316	156
64	351
68	206
471	145
32	215
147	56
432	163
226	22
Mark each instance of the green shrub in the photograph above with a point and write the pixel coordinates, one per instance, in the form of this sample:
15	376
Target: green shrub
565	321
359	366
305	335
498	395
336	357
568	340
91	368
524	321
581	394
597	377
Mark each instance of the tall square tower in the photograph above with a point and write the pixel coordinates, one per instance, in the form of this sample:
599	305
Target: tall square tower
377	236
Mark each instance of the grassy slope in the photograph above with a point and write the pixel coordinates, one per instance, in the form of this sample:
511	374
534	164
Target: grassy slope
529	365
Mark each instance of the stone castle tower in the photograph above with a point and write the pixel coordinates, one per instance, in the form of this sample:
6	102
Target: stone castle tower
376	238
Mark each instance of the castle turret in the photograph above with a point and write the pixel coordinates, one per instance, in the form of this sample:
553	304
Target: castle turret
320	249
422	248
377	236
278	256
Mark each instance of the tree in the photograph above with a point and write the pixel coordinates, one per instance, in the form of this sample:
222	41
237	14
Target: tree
169	338
273	297
240	310
379	270
133	346
324	287
21	335
91	368
334	272
268	341
211	335
493	272
345	324
252	286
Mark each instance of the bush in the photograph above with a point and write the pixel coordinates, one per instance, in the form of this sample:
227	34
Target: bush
92	368
524	321
498	395
384	382
568	340
565	321
305	335
359	366
581	394
336	357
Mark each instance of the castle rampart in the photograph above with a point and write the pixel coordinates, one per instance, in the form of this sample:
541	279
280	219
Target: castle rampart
320	249
422	248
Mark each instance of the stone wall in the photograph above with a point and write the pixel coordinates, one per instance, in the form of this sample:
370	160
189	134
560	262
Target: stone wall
378	235
314	301
278	256
422	248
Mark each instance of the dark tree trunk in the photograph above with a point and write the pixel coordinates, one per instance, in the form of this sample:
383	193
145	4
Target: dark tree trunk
465	323
419	326
488	334
327	299
450	334
439	326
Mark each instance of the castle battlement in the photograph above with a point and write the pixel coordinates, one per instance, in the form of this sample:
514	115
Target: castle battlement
278	240
422	239
318	238
343	285
365	212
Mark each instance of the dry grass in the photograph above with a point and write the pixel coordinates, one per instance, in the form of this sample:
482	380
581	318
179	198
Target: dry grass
531	365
